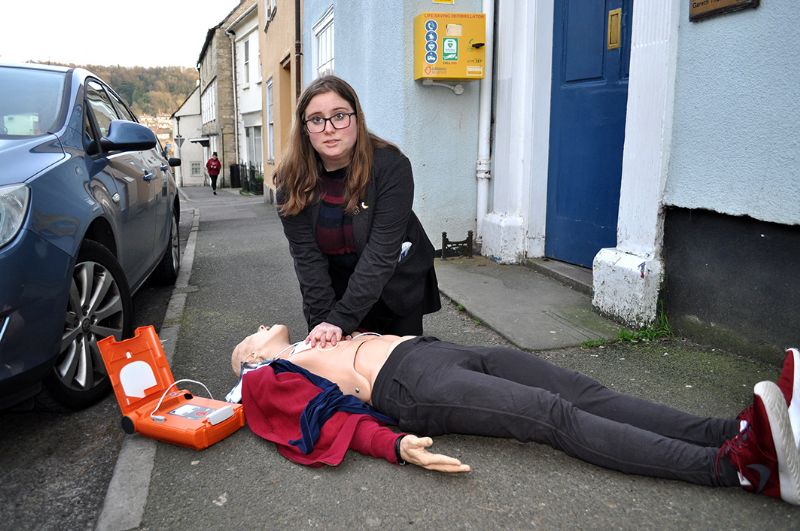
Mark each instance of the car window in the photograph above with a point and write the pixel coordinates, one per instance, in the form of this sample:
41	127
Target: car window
122	110
101	106
31	101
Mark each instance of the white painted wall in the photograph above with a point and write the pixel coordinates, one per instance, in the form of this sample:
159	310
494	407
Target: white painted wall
627	279
737	109
435	128
248	93
189	126
515	225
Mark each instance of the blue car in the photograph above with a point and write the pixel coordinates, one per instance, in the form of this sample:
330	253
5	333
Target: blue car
88	211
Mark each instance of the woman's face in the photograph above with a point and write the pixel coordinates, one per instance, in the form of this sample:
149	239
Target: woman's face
264	344
335	146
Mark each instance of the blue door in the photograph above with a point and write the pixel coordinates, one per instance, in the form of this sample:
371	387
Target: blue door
587	126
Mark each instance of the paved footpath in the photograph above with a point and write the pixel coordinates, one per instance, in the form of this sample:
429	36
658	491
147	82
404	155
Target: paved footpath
242	276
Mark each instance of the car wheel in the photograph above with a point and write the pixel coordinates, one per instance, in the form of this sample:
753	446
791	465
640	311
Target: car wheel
167	271
100	305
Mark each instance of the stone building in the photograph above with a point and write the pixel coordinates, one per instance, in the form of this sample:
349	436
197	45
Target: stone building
217	93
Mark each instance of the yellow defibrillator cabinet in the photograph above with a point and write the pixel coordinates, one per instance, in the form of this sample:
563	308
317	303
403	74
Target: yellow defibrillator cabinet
449	46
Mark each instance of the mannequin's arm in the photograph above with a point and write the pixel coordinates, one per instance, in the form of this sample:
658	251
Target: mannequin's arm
372	439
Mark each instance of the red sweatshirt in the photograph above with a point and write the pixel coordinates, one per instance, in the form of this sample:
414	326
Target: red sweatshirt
273	404
213	166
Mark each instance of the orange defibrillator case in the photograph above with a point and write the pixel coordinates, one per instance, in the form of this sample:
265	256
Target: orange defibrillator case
151	403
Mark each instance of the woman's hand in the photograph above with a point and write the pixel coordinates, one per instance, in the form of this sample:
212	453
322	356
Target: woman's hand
414	450
323	334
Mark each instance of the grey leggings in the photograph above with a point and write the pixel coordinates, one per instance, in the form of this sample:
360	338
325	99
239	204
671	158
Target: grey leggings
433	387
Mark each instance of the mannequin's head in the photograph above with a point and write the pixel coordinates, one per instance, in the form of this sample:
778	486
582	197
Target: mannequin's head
264	344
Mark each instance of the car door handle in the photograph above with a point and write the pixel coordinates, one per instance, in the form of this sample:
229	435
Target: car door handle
164	167
148	176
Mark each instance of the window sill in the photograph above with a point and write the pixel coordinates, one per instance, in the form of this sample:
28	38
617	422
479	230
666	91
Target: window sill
270	17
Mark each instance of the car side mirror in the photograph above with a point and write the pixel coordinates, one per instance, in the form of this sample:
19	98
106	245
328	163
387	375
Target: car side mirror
92	148
174	162
127	136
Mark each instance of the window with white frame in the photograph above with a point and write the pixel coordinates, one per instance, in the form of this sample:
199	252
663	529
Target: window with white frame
270	123
248	140
253	137
323	45
269	6
212	146
208	103
197	168
246	57
258	150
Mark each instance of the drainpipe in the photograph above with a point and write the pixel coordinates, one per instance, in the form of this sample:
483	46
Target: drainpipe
483	164
232	36
180	168
298	50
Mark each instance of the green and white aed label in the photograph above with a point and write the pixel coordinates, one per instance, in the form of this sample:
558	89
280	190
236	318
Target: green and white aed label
449	49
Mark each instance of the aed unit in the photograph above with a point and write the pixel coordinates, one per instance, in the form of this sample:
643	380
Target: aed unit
152	404
449	46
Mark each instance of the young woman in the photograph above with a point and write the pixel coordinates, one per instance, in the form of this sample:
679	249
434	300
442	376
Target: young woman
344	196
213	166
315	404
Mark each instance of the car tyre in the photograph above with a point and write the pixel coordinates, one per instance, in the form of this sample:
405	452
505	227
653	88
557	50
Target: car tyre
166	272
99	305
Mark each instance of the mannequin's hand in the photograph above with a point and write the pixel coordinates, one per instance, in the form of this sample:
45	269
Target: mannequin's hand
324	334
414	450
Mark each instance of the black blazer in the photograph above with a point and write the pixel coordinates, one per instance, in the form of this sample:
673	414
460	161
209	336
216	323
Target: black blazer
383	221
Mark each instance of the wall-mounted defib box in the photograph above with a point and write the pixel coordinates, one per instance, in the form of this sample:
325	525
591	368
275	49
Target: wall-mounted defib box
150	401
449	46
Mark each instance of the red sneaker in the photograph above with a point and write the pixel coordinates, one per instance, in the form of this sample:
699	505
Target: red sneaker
745	418
789	384
764	452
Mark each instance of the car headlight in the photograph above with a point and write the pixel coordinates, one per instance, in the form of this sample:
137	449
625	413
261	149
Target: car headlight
13	206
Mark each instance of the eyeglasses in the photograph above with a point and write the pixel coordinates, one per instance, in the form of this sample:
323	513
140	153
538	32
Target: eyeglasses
340	120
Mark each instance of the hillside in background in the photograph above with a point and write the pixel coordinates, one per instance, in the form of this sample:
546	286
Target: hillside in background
148	90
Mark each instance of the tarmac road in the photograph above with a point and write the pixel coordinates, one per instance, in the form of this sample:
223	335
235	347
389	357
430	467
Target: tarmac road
55	466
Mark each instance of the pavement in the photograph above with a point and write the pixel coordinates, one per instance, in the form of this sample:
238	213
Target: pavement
237	274
533	309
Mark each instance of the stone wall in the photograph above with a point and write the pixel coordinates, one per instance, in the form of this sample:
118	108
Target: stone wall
216	65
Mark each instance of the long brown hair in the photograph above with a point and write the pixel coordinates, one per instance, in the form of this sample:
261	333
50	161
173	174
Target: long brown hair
298	173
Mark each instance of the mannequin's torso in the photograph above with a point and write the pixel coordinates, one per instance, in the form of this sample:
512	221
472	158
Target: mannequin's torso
353	364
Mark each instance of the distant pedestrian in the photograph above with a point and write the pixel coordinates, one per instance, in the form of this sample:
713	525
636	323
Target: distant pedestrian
361	256
213	166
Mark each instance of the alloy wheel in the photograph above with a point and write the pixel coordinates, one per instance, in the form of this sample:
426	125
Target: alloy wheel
95	311
175	244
